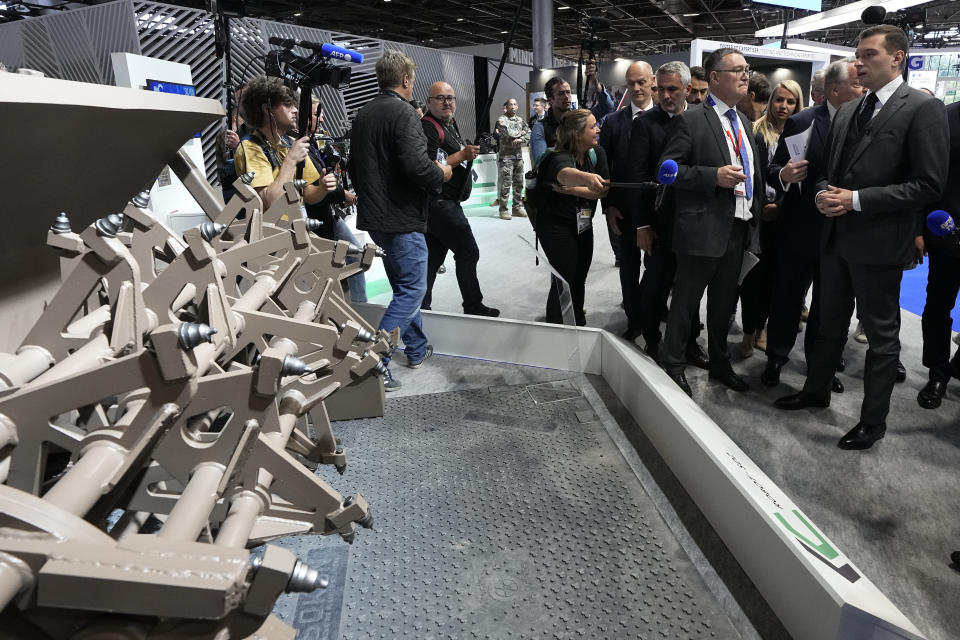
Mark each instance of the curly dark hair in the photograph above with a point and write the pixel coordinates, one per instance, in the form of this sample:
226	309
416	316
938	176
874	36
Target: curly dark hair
263	90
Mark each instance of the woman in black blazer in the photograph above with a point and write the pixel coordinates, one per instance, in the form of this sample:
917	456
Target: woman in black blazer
786	99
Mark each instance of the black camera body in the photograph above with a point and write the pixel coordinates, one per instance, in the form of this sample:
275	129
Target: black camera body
488	143
300	71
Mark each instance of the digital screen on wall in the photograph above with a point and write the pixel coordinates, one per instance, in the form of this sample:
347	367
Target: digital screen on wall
172	87
807	5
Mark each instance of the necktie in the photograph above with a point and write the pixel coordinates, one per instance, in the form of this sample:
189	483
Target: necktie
866	111
744	156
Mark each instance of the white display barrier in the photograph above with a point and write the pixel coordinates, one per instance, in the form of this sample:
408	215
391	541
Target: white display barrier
814	589
699	46
169	199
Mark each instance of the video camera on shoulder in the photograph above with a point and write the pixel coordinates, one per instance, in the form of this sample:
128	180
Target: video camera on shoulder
315	70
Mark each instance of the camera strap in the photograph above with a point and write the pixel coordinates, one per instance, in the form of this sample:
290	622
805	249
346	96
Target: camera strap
437	126
266	147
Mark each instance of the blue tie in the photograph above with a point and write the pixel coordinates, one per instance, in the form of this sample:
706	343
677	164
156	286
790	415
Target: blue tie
744	157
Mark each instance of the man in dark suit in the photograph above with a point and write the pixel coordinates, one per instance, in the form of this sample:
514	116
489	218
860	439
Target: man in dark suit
615	140
943	282
719	192
652	225
885	160
800	222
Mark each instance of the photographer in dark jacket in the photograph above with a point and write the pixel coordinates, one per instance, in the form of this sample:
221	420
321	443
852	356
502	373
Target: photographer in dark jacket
395	178
447	226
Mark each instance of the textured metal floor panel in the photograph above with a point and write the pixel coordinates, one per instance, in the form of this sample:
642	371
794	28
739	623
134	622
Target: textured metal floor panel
506	512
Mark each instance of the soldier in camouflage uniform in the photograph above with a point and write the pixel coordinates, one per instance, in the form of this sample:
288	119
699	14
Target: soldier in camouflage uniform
514	133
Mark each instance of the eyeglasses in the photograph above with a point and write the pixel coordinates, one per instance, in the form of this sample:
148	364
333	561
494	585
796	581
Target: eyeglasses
443	98
740	71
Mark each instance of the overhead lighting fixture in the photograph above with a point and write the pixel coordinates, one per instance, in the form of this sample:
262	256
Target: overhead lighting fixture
834	17
504	32
459	19
690	15
562	7
297	14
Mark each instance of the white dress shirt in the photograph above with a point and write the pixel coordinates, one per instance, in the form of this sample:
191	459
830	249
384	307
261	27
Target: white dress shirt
743	204
883	94
635	110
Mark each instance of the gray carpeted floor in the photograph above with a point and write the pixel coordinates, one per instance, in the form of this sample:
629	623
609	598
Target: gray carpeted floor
893	509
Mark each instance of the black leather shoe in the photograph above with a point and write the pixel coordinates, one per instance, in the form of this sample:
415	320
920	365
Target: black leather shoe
842	365
652	349
681	380
932	394
862	436
630	334
483	310
955	365
801	400
697	357
836	386
771	375
955	559
901	372
731	379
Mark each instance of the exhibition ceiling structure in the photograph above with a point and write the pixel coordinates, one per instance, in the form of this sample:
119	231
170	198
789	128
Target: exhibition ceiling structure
632	27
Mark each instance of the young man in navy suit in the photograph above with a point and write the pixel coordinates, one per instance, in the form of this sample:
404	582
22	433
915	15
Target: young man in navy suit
885	162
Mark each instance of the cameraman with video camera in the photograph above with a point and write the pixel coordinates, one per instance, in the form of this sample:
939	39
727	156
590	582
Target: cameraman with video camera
270	108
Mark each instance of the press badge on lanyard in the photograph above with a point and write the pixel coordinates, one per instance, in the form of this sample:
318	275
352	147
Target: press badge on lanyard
584	219
740	190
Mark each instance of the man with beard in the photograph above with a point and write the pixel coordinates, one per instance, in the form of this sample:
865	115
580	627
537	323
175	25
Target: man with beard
447	226
544	133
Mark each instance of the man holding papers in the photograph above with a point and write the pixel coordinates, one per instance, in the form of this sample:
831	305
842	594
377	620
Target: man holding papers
792	172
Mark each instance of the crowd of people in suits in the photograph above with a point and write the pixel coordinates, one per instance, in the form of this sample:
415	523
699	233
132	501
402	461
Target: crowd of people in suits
755	217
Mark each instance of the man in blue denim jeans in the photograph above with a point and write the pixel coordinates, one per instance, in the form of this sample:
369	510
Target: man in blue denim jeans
395	178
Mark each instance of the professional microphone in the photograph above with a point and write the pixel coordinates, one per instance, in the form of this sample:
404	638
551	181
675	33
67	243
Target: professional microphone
667	172
334	52
666	175
942	225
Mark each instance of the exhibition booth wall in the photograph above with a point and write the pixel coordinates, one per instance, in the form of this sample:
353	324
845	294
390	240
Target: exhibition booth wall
76	45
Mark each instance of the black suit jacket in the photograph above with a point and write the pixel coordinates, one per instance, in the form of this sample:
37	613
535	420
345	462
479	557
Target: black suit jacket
950	200
615	140
648	137
899	167
800	222
705	212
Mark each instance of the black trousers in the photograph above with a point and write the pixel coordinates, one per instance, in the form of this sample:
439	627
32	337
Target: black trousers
796	265
943	283
876	290
630	263
719	276
660	269
757	288
448	230
570	254
616	242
